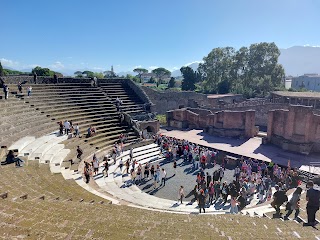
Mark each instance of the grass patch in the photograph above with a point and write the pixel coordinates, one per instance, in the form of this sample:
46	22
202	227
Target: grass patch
162	119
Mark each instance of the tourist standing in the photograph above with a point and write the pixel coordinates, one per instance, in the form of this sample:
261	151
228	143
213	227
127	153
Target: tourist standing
181	194
29	90
35	77
20	87
6	91
201	201
66	127
87	172
76	130
312	197
163	177
95	164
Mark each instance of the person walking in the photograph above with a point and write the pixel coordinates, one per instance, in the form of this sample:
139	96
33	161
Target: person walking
181	194
279	197
79	152
127	166
175	167
120	165
312	198
294	204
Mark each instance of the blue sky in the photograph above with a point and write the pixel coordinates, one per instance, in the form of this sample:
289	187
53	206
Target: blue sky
69	35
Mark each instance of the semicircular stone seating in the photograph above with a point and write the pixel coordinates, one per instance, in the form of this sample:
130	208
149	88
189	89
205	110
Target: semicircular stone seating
36	204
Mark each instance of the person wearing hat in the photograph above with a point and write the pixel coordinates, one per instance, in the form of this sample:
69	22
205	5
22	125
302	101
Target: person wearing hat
313	197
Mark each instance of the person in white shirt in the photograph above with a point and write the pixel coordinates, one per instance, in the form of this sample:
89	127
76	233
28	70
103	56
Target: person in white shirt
29	90
163	175
95	164
66	127
76	130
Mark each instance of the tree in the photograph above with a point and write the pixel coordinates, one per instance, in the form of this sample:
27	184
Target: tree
78	74
98	75
172	82
140	71
216	67
151	80
252	71
42	71
189	79
1	70
160	73
88	74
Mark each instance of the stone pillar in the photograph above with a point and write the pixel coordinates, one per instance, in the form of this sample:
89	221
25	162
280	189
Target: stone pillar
308	117
289	123
270	125
250	123
169	117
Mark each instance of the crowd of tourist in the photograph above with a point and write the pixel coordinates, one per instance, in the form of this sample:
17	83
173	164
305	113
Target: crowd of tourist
251	177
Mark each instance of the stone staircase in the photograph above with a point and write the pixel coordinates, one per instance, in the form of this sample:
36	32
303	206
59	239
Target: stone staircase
132	104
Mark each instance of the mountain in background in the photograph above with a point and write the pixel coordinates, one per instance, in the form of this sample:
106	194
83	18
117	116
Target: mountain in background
299	60
193	65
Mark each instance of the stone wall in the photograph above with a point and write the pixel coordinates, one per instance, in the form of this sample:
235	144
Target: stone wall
296	129
261	112
223	123
169	100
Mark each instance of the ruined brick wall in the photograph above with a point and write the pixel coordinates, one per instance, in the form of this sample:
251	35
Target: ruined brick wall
224	123
169	100
295	129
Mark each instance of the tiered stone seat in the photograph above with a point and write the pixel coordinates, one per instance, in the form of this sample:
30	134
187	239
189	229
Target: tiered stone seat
19	120
132	103
82	104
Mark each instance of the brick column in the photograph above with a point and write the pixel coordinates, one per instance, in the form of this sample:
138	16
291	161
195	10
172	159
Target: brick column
290	118
270	125
250	123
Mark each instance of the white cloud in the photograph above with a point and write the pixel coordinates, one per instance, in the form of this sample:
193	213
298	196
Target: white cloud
174	68
98	68
152	67
193	62
308	45
56	65
9	63
139	66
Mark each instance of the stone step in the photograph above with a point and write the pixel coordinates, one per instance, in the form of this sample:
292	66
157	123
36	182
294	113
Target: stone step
48	155
39	151
55	163
22	143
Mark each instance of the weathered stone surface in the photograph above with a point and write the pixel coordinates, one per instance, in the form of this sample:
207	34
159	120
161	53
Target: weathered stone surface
223	123
296	129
